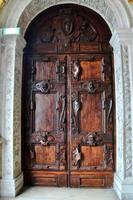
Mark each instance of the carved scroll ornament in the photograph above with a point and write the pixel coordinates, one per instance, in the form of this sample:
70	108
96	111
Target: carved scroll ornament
42	137
61	107
46	139
75	108
76	155
108	156
61	155
109	107
75	69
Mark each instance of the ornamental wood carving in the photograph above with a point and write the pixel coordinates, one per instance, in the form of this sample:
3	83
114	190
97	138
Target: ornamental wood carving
76	156
69	31
93	139
75	69
42	86
68	100
62	114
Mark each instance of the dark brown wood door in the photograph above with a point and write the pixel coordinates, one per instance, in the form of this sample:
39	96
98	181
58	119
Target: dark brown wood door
91	125
68	100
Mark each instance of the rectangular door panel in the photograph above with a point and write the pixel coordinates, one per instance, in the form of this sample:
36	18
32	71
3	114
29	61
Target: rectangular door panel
45	116
45	155
45	70
90	112
90	69
92	157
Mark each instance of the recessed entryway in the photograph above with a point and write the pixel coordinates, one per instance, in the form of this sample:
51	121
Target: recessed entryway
68	103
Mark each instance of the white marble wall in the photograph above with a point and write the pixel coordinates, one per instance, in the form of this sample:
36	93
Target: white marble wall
122	42
11	68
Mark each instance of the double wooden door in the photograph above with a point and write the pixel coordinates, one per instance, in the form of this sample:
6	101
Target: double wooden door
68	113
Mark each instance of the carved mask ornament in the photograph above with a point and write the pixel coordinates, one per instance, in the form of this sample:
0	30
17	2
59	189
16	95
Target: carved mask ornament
93	139
92	87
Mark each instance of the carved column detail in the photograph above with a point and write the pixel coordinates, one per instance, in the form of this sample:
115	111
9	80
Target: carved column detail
12	52
127	116
122	43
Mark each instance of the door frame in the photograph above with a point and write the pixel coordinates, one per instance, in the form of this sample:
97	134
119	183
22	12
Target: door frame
77	51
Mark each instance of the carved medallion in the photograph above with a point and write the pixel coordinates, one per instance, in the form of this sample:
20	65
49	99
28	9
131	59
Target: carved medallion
93	86
87	32
47	35
68	26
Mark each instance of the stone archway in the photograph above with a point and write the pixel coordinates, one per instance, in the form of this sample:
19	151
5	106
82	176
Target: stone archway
11	50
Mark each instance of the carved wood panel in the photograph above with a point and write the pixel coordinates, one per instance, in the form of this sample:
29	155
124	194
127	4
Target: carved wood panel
46	136
91	115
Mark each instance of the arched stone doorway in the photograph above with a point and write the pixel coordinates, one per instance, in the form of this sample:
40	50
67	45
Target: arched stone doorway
68	133
117	15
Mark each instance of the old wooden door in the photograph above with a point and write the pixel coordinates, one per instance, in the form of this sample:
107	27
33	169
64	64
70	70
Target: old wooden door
68	100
